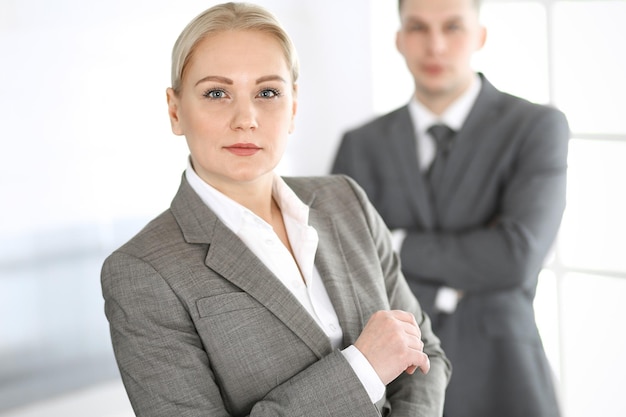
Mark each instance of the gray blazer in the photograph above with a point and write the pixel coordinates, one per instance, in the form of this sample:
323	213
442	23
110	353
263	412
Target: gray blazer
487	232
200	327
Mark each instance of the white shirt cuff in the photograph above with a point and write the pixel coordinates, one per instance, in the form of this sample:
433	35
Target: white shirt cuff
446	300
397	239
366	374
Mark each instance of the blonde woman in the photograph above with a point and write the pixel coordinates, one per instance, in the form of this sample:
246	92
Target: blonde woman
255	294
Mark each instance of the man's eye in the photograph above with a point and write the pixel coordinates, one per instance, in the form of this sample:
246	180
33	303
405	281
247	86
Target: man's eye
415	28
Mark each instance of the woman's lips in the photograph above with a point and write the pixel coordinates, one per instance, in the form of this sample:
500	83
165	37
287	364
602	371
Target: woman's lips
243	149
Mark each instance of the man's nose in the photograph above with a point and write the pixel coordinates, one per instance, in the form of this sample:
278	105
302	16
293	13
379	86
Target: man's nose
437	41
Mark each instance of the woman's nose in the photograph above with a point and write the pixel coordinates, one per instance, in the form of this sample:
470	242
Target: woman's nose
245	116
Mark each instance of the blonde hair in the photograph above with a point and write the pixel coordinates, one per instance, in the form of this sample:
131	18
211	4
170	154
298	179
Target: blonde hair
225	17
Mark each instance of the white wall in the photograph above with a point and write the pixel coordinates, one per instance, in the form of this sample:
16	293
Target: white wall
82	104
87	155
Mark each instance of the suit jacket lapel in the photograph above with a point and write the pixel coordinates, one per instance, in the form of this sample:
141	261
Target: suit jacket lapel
334	272
332	266
469	142
403	144
229	257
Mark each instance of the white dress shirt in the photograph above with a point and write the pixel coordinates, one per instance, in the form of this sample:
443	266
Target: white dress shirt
299	275
454	117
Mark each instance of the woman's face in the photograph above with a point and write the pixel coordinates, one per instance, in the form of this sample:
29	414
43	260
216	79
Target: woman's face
236	107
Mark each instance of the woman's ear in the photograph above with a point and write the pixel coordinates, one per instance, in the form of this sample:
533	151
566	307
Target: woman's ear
173	107
294	108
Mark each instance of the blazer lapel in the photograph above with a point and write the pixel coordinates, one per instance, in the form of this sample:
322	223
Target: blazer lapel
229	257
334	272
469	144
403	144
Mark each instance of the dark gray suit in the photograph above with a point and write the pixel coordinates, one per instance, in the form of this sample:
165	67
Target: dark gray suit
200	327
498	210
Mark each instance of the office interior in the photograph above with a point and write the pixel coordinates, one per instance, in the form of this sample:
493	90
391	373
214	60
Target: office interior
88	158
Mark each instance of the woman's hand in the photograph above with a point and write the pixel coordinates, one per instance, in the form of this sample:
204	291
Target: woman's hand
391	342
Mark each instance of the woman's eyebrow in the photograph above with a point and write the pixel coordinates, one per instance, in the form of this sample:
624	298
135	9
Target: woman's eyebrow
225	80
217	78
270	78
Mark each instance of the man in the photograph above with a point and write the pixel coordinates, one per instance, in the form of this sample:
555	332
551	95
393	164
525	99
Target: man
473	218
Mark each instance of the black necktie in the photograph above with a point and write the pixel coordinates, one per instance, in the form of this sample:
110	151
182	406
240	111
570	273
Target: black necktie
443	137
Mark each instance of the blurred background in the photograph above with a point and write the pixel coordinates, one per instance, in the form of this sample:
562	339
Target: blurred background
87	158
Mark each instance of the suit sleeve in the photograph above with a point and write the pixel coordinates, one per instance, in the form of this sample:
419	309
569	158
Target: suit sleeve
409	395
513	245
347	162
159	354
166	369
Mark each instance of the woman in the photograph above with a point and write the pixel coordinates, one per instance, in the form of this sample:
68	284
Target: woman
253	294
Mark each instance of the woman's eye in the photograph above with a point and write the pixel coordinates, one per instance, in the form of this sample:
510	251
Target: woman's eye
269	93
215	94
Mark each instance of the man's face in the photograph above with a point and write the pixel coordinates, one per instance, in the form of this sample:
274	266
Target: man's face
437	39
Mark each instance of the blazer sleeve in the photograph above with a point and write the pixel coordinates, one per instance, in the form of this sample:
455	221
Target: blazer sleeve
512	246
162	363
417	394
166	370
